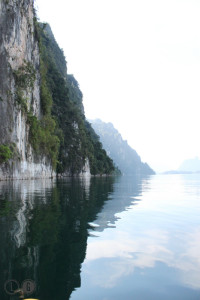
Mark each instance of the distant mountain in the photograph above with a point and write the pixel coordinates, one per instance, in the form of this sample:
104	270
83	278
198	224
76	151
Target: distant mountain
190	165
172	172
124	157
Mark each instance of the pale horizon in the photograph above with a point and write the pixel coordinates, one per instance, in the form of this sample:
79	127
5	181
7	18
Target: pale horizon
138	66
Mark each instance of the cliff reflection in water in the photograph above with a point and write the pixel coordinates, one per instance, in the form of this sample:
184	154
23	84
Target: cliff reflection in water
44	229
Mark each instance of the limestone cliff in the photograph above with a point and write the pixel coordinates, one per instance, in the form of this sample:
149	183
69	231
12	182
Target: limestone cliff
43	130
19	52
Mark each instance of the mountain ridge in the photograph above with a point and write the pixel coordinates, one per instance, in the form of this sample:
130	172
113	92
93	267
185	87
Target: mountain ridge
188	166
124	157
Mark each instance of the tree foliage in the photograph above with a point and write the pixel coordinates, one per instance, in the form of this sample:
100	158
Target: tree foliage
62	100
5	153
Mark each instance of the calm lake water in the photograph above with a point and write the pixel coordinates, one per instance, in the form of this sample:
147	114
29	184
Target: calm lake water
101	238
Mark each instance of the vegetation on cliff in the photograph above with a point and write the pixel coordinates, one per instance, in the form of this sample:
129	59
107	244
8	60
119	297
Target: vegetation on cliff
63	133
5	153
42	121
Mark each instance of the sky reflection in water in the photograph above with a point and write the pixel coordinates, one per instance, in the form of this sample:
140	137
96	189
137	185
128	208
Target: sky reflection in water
153	251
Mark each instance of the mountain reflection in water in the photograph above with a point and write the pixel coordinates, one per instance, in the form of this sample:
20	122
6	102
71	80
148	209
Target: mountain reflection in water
44	226
102	238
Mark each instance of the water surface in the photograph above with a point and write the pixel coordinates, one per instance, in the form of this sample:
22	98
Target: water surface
151	251
102	238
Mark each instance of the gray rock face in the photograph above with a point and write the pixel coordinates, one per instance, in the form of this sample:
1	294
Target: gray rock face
18	47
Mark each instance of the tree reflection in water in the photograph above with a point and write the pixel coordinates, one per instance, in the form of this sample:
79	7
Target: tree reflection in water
44	230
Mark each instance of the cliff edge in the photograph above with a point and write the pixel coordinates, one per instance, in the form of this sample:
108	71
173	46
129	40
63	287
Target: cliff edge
19	91
43	131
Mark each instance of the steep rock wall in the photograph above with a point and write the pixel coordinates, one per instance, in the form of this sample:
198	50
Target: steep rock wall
19	49
42	121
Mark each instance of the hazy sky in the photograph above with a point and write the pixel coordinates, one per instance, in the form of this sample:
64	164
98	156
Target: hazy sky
138	66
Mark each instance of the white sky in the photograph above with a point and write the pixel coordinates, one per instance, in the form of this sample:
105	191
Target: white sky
138	66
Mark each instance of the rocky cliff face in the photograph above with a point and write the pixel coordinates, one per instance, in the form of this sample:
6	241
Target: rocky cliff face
19	60
42	121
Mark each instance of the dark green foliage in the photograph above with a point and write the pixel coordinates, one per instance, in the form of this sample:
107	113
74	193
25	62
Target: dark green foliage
75	93
5	153
45	94
57	53
25	76
42	133
42	137
77	139
20	99
100	163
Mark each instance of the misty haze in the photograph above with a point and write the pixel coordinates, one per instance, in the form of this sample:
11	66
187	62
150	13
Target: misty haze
99	150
